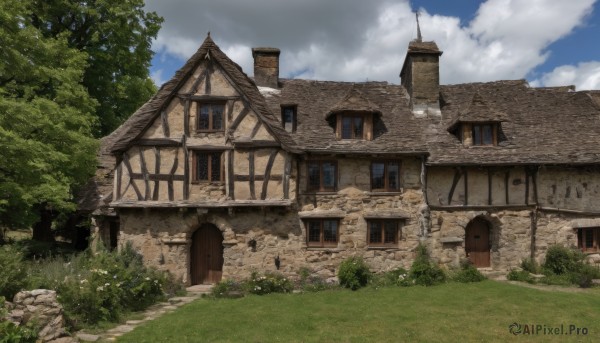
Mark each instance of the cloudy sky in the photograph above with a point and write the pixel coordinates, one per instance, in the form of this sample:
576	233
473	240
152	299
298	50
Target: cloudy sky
548	42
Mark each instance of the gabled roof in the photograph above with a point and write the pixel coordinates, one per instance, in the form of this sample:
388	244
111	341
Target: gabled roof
145	115
478	111
354	101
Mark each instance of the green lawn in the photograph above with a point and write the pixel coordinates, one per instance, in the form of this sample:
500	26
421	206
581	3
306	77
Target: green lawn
448	313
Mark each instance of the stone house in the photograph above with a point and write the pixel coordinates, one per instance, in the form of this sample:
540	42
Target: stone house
218	175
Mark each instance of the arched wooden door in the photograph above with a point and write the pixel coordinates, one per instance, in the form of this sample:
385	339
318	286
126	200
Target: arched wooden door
206	255
477	242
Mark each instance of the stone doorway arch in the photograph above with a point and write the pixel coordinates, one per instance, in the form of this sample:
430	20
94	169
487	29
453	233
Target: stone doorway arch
206	255
478	242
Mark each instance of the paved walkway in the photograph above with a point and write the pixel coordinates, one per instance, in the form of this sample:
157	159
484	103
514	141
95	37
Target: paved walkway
151	313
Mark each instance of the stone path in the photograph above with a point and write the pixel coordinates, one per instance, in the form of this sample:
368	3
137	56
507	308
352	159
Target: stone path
151	313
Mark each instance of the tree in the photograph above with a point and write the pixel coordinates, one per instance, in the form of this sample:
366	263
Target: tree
46	120
117	36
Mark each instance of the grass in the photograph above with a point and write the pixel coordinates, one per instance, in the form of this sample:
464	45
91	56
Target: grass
451	312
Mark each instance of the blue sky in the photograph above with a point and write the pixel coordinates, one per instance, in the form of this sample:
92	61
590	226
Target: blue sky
548	42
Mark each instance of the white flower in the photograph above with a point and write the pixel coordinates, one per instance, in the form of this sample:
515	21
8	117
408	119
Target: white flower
100	288
107	284
147	279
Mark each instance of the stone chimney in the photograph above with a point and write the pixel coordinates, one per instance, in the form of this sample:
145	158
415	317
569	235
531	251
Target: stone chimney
266	67
421	77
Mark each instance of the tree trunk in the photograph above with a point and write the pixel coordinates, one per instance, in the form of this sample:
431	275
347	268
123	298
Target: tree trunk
42	230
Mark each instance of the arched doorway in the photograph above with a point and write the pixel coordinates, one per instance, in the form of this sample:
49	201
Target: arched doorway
206	255
477	242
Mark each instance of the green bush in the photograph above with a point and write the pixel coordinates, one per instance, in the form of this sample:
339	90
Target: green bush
520	275
561	260
228	289
268	283
559	280
584	275
530	265
11	333
312	283
468	273
423	271
354	273
396	277
13	274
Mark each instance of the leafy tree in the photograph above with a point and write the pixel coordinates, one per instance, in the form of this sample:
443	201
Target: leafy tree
46	120
117	36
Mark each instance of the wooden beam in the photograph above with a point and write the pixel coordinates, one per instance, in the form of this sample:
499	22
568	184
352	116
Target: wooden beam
239	119
466	181
186	117
506	180
119	176
129	170
156	172
144	174
246	178
230	179
186	170
209	71
256	128
165	123
194	97
489	172
534	185
196	84
209	147
457	175
256	144
158	177
172	176
157	142
287	171
230	105
251	172
204	204
263	194
526	186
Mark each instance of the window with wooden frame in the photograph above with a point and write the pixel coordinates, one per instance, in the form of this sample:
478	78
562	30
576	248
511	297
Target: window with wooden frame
207	166
588	239
288	117
383	232
209	116
485	133
322	176
322	232
385	176
352	125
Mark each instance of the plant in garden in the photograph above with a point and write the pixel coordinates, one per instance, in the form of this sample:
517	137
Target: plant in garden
268	283
354	273
468	273
562	260
520	275
424	271
11	333
13	274
228	289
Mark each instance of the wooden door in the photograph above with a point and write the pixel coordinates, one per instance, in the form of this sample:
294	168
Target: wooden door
477	242
206	256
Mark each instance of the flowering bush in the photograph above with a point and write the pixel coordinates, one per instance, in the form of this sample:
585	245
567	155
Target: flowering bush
268	283
354	273
228	289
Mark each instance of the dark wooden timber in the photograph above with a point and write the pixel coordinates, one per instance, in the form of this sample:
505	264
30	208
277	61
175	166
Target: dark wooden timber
506	180
534	185
156	172
256	144
263	194
165	122
209	147
526	186
186	170
172	176
198	81
119	176
230	105
209	71
144	174
533	232
251	172
457	174
256	128
239	119
489	172
131	182
203	204
230	181
207	98
466	181
287	171
246	178
157	142
158	177
186	117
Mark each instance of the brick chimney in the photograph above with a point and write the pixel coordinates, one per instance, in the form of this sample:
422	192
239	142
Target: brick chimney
266	67
421	77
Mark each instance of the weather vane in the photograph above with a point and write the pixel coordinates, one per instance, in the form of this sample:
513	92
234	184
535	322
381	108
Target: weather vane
419	37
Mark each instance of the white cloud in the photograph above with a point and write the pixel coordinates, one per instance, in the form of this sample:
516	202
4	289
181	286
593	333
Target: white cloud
157	77
585	76
356	40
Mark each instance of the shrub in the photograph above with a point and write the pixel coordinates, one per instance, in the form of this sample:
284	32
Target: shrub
468	273
584	275
396	277
11	333
13	274
312	283
520	275
227	289
268	283
423	271
530	265
561	260
354	273
553	279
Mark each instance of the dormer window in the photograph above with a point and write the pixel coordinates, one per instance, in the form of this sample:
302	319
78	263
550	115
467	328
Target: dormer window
288	118
485	134
354	126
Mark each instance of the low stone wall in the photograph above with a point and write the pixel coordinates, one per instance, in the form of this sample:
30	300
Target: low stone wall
41	308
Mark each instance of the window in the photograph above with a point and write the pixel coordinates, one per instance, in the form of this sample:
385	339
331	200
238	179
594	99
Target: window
352	126
288	118
588	239
322	232
208	166
385	176
382	232
322	176
484	134
210	117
